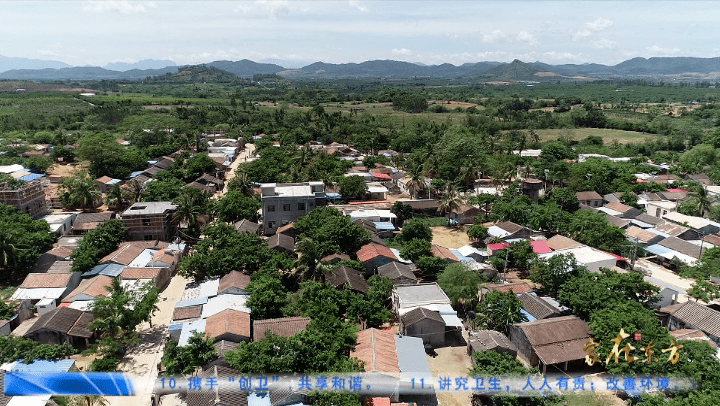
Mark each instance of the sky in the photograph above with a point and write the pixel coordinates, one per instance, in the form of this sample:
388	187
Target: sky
431	32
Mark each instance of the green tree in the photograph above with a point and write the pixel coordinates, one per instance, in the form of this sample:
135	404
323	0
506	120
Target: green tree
416	249
519	255
593	229
369	309
416	229
704	290
553	272
477	232
117	314
39	164
22	241
564	198
590	292
430	266
96	244
79	191
185	360
493	363
352	187
162	190
267	295
499	309
235	206
189	209
13	348
327	225
450	201
460	283
402	211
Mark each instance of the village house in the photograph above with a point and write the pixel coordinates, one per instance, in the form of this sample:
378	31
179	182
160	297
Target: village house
63	325
85	222
590	198
148	221
348	278
28	198
554	341
693	315
424	323
374	255
283	327
490	340
283	203
401	274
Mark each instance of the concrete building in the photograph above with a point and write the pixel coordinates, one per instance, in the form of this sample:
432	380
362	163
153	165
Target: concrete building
424	323
283	203
150	221
29	197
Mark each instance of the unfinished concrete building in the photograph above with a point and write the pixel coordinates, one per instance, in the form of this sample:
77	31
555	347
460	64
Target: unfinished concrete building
148	221
28	197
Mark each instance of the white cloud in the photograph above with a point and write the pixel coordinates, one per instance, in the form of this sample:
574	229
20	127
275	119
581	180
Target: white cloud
526	37
605	44
356	4
271	8
493	36
401	51
592	27
45	52
660	51
124	7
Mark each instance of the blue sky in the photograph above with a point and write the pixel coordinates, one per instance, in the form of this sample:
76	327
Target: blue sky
431	32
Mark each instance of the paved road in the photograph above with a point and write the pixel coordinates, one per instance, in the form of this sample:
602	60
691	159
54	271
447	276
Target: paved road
142	361
664	278
248	152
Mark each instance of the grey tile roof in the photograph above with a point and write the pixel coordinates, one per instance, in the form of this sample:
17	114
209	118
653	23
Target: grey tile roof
420	313
396	270
700	317
537	307
486	340
344	275
61	319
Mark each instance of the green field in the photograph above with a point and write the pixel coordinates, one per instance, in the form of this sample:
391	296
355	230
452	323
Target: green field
608	135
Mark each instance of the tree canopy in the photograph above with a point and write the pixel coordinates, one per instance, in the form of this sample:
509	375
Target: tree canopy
22	241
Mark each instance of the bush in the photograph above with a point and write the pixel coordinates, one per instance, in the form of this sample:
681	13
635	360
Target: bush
107	363
415	229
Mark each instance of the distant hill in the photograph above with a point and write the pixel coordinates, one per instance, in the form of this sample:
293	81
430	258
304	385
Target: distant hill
285	63
246	68
484	71
8	63
197	73
144	64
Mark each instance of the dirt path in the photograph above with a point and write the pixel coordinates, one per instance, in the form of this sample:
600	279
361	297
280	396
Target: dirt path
450	237
142	361
248	152
453	362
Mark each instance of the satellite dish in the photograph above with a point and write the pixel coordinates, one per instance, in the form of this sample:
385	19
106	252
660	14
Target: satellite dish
471	315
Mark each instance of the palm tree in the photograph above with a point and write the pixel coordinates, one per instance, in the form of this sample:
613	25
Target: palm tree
115	198
241	183
700	198
188	211
450	201
136	189
9	249
416	183
310	252
80	191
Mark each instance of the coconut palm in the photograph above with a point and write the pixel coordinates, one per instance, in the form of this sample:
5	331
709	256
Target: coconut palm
9	249
310	252
188	210
88	400
450	201
700	198
416	183
79	191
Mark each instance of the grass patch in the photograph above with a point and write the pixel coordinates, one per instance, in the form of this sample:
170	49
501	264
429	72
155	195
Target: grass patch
7	291
608	135
432	221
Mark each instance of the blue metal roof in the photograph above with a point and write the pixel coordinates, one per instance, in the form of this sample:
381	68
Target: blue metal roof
135	174
43	365
192	302
528	315
32	176
657	249
189	329
259	399
461	257
381	225
113	182
333	195
109	269
174	327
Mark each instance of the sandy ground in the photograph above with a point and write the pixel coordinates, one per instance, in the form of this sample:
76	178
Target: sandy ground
451	362
450	237
663	277
242	156
142	361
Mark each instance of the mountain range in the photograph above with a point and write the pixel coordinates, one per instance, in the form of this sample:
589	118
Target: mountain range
700	68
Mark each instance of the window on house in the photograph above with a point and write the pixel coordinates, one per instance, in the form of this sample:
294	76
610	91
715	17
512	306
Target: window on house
286	207
271	207
301	206
146	223
148	238
271	224
285	222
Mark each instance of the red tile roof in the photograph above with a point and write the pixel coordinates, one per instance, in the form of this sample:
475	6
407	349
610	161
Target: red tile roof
140	273
46	280
94	287
284	327
228	321
376	349
517	287
444	253
372	251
